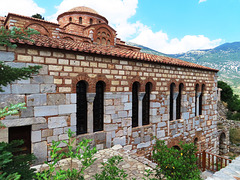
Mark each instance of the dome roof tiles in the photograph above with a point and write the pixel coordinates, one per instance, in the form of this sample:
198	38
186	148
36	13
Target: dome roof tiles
82	9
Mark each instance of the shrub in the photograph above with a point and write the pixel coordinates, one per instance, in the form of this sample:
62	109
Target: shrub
83	153
111	171
15	166
176	164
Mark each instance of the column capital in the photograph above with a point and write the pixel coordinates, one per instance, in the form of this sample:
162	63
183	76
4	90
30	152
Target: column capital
90	97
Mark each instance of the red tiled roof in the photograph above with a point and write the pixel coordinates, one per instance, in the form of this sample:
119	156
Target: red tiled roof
36	19
44	41
2	18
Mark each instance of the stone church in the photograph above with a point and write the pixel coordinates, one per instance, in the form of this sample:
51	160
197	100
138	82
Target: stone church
95	84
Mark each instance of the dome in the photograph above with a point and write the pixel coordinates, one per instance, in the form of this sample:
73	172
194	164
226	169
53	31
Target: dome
83	9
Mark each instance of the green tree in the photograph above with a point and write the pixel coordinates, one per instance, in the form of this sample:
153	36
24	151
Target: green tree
176	164
15	33
227	92
38	16
14	167
9	74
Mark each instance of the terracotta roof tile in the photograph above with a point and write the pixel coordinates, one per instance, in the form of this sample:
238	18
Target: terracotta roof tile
44	41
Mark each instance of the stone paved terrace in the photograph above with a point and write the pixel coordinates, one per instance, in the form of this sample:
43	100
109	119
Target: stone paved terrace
134	165
231	172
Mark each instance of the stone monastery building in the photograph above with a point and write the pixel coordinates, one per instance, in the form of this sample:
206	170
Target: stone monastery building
103	89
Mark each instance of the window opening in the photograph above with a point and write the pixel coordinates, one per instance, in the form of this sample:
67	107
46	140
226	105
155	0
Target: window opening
135	90
146	104
81	107
98	107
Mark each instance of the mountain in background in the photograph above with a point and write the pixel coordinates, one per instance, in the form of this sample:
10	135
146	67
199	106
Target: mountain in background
225	58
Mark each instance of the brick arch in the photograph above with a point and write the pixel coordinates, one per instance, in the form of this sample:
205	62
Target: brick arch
82	77
43	30
141	82
101	77
152	82
175	142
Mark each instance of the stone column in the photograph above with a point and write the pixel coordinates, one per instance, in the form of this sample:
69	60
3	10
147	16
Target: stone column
175	95
90	99
140	99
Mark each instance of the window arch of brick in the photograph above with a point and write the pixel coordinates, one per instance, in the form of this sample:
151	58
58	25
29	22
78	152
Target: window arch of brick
43	30
172	89
91	21
196	99
98	107
135	104
80	20
201	99
179	100
81	88
146	104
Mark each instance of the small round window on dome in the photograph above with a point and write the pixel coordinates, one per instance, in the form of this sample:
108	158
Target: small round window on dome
70	19
99	21
91	21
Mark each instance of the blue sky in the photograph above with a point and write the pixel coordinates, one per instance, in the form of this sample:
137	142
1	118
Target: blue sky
169	26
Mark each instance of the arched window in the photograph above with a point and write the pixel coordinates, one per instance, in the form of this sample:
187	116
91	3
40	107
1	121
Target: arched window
172	86
146	104
195	141
179	100
81	107
201	100
70	19
98	107
196	100
99	22
135	90
91	21
176	147
80	20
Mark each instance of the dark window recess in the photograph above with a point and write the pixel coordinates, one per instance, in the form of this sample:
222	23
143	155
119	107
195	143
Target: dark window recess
179	99
146	104
201	100
80	20
81	107
172	86
70	19
91	21
135	89
98	107
196	92
18	133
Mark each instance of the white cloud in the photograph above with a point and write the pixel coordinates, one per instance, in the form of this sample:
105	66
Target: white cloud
23	7
116	11
200	1
159	41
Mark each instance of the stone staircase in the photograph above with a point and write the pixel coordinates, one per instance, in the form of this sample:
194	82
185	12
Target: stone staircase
230	172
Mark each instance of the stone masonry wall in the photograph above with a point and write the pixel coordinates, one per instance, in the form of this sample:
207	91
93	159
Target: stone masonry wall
51	100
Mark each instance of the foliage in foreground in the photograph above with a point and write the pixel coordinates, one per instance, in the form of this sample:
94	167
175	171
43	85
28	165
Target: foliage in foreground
15	166
110	171
15	33
176	164
83	153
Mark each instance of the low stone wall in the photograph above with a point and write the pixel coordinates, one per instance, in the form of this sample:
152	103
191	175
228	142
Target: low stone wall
133	164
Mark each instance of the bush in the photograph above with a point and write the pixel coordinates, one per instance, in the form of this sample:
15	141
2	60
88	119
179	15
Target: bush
234	136
83	153
111	171
15	166
176	164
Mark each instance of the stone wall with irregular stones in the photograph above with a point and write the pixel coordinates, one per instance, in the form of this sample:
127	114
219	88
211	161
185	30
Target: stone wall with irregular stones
50	97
